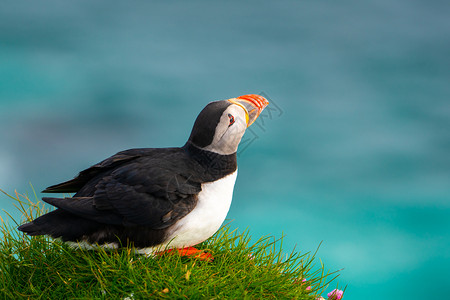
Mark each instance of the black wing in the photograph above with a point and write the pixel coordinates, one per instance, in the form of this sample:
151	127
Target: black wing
141	187
85	176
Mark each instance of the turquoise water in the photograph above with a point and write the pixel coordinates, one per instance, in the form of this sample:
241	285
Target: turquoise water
354	153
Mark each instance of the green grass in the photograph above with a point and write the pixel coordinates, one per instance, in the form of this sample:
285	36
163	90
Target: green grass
39	267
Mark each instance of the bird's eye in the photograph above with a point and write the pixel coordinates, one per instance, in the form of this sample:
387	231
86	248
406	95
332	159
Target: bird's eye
231	119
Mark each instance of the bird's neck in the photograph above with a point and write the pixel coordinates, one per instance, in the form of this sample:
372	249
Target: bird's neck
213	163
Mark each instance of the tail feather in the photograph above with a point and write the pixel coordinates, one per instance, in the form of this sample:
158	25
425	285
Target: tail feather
60	224
31	229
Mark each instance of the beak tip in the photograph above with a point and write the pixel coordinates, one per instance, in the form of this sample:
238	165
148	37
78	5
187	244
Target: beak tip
259	101
252	104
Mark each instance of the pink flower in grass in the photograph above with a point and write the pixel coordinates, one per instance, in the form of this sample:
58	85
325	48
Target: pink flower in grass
297	281
308	288
335	295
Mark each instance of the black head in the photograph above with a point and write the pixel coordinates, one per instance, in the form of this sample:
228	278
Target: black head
221	124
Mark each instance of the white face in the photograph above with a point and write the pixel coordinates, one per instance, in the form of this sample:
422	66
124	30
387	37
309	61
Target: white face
229	131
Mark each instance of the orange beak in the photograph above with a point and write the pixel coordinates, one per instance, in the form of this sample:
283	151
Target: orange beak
252	104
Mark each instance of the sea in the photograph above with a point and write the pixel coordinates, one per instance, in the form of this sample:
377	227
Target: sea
351	157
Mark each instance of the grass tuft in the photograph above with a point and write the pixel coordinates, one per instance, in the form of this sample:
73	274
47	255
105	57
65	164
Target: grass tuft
39	267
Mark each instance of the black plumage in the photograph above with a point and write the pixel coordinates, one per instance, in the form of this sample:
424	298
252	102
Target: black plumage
131	196
135	194
138	196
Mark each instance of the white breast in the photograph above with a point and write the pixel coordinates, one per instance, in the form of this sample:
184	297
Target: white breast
208	215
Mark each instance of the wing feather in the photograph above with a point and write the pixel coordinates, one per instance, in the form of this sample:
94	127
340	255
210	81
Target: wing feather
137	190
74	185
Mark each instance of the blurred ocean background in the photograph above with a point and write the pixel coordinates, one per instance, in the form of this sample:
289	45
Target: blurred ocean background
355	151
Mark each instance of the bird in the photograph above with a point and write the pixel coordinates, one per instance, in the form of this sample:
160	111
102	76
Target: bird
156	199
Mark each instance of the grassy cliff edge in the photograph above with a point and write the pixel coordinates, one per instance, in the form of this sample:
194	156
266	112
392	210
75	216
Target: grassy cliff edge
39	267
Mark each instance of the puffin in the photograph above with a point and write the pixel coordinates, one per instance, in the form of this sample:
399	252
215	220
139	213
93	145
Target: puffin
157	200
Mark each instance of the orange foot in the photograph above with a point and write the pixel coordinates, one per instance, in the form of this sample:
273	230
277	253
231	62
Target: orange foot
192	252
